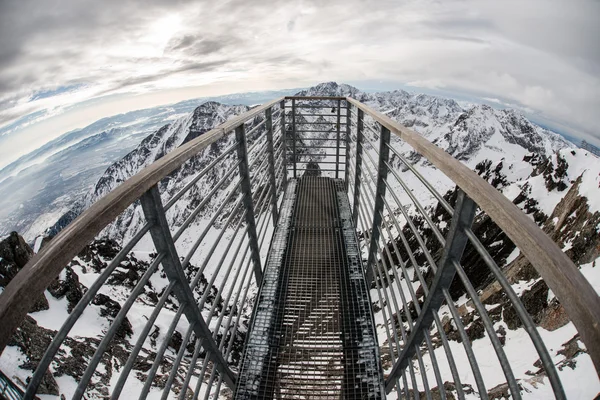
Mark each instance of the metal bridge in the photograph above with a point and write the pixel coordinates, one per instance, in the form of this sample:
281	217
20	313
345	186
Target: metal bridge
312	234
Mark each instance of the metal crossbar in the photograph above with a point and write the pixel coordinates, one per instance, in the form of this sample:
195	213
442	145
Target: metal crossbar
269	276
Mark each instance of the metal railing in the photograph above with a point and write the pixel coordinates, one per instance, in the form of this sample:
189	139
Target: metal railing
262	149
233	240
376	206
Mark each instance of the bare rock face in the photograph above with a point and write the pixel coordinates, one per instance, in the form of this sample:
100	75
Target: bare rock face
14	250
14	254
575	226
68	287
535	301
554	316
33	340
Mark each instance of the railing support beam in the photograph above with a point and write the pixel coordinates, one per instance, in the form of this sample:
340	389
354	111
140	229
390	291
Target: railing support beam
163	241
384	152
242	153
271	161
294	135
337	146
358	166
464	213
283	143
346	173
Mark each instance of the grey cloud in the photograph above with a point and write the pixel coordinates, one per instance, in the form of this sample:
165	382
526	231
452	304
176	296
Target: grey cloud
519	51
139	80
182	42
291	24
196	45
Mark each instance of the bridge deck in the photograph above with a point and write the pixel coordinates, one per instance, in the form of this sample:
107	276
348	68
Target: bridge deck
312	334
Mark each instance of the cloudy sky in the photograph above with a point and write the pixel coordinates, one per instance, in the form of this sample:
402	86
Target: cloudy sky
65	64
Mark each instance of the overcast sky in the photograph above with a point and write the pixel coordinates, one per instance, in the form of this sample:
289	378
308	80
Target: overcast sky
65	64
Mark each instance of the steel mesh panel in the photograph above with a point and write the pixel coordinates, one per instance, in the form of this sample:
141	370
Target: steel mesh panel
312	335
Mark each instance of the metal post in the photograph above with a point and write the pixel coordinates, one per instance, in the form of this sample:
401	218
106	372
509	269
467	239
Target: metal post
337	141
346	177
294	135
283	143
464	213
163	241
271	161
358	166
242	153
384	152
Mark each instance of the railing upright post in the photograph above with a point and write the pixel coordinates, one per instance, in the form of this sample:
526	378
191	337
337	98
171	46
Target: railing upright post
283	144
337	141
384	140
242	153
464	213
163	242
358	166
346	176
294	135
269	126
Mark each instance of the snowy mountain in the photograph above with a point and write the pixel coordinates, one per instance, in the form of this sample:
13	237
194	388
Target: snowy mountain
38	188
546	176
204	118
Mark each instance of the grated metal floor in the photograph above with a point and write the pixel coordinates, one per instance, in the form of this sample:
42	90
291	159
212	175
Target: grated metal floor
312	335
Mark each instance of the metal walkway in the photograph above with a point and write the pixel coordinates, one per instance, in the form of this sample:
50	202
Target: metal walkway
312	335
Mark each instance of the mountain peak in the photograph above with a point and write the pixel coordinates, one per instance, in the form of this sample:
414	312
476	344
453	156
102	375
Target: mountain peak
331	89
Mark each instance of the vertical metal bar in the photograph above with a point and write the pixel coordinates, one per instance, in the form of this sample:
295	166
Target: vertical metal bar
528	323
163	241
283	143
269	124
346	173
489	327
357	169
384	152
247	193
294	135
455	245
133	353
436	368
337	141
467	346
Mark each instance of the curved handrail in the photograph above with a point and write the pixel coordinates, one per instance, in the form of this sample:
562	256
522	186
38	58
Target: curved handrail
572	289
36	276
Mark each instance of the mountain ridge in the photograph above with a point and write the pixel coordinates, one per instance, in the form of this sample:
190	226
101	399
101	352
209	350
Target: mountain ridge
463	133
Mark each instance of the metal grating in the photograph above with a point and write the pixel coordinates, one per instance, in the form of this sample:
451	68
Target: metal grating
312	335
